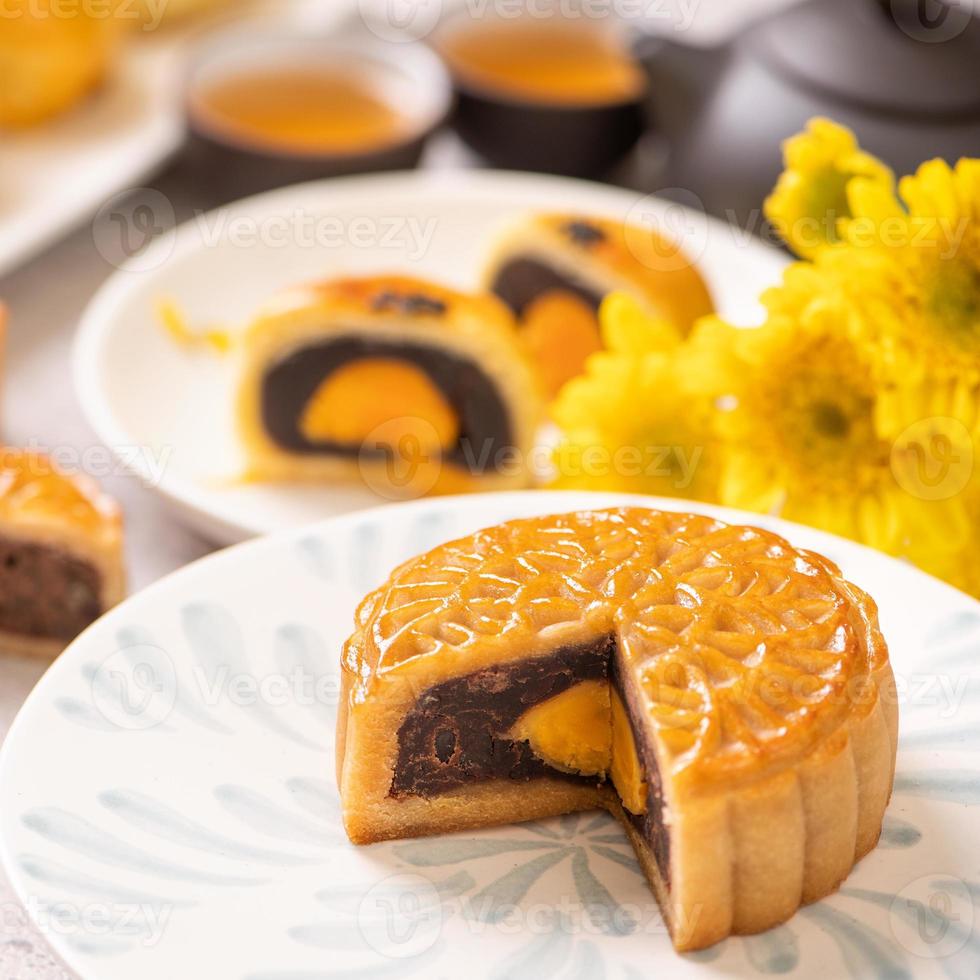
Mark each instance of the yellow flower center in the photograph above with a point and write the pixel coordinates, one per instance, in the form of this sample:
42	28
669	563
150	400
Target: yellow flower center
831	420
952	301
819	414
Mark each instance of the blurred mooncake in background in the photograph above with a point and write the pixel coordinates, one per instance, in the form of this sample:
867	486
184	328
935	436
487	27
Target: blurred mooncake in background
403	384
553	271
52	56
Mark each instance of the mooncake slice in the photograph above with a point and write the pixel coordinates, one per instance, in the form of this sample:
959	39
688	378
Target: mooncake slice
728	697
61	554
397	382
553	271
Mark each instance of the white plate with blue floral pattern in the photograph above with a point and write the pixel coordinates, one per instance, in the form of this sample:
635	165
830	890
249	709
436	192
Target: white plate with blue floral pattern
168	807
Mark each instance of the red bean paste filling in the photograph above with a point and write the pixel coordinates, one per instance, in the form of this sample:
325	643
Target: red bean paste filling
485	441
522	280
45	592
454	734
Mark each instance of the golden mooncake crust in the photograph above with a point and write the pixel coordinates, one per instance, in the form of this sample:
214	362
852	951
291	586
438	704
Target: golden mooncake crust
761	674
41	503
623	256
390	309
35	491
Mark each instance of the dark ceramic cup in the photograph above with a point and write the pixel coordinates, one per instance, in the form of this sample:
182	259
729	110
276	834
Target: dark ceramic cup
524	133
408	76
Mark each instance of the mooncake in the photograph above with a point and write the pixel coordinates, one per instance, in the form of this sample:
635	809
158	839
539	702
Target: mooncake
403	384
726	696
51	56
61	553
553	271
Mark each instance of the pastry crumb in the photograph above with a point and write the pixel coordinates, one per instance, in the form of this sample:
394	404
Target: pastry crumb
171	317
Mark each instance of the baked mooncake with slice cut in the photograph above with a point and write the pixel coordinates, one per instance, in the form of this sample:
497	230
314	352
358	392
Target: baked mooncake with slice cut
553	271
402	383
61	554
727	696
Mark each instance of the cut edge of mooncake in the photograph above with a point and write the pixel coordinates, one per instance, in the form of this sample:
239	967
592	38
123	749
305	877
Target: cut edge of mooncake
483	396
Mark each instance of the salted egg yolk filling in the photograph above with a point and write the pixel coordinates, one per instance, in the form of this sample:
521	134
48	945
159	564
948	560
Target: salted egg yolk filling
384	397
586	729
559	331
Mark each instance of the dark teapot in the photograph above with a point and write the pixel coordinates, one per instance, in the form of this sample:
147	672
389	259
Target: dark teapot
903	74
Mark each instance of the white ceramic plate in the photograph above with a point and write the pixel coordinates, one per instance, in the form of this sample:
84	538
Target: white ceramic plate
168	808
168	412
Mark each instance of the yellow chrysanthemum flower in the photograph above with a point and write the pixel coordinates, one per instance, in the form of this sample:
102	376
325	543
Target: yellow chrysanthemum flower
854	408
915	270
637	419
802	436
810	199
934	440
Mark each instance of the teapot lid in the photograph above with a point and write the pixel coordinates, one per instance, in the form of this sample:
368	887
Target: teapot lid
908	57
